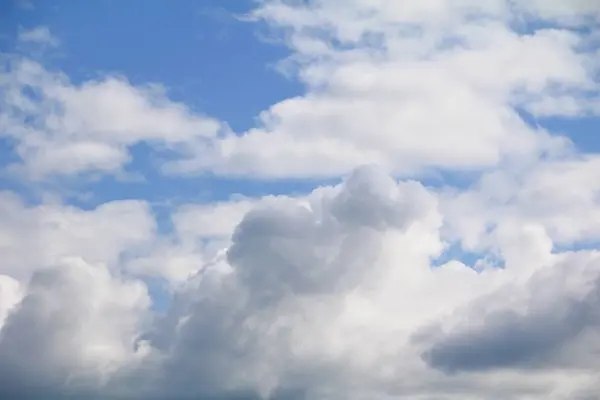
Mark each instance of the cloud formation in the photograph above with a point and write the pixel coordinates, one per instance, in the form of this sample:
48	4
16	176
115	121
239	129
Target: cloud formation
313	293
350	291
396	85
61	128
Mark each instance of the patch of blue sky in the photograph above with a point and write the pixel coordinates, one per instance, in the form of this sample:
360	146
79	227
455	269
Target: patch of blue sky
583	131
457	179
7	154
472	259
159	292
584	245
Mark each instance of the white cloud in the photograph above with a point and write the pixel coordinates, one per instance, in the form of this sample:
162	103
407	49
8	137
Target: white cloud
333	288
75	325
336	294
39	35
388	83
62	128
10	295
567	106
401	83
68	312
567	12
201	234
562	197
34	237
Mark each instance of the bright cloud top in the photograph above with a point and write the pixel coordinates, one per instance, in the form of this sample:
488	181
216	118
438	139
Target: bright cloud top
378	286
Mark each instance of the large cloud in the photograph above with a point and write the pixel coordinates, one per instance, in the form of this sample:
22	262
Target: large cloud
557	324
75	325
314	293
277	308
339	288
400	83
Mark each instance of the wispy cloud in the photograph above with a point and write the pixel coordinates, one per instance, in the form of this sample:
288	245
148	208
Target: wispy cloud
39	35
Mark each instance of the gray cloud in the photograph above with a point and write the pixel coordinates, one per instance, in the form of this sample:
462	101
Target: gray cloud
303	305
509	338
73	312
289	265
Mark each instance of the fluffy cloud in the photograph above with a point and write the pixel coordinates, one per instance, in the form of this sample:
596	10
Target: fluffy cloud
316	292
351	291
386	83
556	325
75	325
31	237
10	295
399	84
341	289
201	233
61	128
562	197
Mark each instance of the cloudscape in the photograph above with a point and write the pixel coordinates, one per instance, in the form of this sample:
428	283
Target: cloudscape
300	199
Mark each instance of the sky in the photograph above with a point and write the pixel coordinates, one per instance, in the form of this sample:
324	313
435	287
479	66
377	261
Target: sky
315	199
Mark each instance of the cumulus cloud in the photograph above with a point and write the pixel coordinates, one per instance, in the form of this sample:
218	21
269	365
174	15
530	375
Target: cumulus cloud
399	84
386	83
61	128
560	309
336	288
35	236
74	326
350	291
10	295
313	293
562	197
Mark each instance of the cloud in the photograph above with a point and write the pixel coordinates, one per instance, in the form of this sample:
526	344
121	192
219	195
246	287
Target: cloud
560	196
35	236
75	324
61	128
399	84
389	84
10	295
39	35
572	12
313	293
201	233
334	289
258	317
350	291
535	334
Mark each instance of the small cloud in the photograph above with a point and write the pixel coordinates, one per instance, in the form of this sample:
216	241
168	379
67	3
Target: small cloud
39	35
25	4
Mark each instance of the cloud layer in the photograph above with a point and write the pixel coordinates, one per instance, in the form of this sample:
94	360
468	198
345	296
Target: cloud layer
377	287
